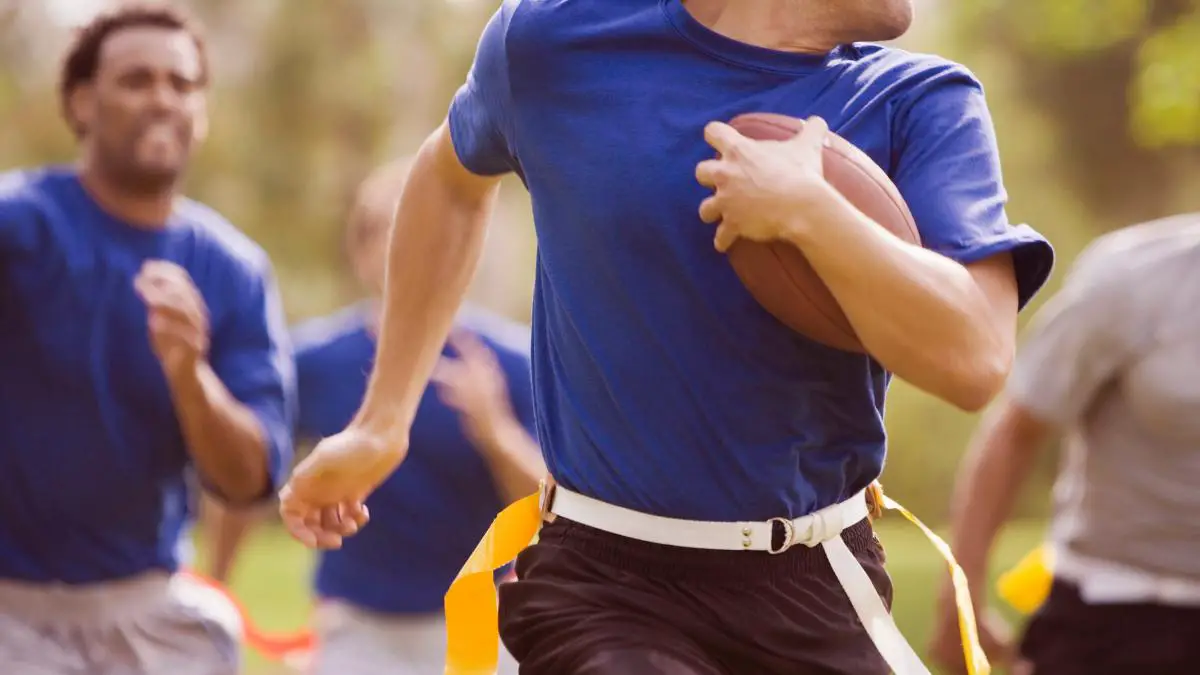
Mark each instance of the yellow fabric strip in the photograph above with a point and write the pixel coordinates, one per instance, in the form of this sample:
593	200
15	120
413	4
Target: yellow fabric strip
1026	586
473	643
976	660
472	604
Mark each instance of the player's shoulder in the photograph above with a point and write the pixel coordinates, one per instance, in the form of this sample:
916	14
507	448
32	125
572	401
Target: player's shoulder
915	86
911	67
224	240
316	337
1137	255
504	15
507	337
27	188
554	24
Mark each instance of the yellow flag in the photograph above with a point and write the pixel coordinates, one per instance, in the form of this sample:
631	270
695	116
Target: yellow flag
472	605
976	660
1027	584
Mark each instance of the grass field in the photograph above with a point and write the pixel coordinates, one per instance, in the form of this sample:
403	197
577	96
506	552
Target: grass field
273	574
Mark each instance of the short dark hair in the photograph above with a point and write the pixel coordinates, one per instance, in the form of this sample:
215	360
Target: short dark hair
83	56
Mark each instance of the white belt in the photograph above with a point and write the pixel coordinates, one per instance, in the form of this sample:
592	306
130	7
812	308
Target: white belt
1101	582
822	528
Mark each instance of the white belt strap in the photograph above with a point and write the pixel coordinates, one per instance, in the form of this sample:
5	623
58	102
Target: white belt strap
821	528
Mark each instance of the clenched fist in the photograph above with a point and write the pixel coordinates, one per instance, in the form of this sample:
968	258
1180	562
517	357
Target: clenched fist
177	316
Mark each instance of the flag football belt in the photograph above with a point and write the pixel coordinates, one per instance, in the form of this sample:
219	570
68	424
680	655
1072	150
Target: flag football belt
472	606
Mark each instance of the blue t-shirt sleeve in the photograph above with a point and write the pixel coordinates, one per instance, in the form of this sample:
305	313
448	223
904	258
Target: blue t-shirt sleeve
18	217
252	355
947	167
480	114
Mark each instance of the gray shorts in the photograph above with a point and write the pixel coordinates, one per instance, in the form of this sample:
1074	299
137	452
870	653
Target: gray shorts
353	641
152	624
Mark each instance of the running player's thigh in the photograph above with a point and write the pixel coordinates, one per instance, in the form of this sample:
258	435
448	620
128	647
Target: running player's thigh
642	661
38	650
568	615
196	632
615	646
352	641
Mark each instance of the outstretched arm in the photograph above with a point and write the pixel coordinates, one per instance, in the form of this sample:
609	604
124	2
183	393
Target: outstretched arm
433	252
1073	351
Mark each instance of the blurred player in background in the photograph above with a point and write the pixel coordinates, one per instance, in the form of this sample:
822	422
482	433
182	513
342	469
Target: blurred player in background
472	453
140	334
670	404
1112	366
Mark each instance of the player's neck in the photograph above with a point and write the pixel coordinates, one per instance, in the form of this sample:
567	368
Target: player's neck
146	210
772	24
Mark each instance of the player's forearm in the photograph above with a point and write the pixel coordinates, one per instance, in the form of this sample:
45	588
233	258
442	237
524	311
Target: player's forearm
226	441
225	530
433	252
997	464
514	458
920	314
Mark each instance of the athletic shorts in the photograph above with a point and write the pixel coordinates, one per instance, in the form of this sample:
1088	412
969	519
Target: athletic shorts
355	641
1067	636
587	602
147	625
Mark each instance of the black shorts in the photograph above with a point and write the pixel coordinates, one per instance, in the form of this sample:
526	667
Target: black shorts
1070	637
588	602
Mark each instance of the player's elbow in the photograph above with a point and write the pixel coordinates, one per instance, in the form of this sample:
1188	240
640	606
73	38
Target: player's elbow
979	378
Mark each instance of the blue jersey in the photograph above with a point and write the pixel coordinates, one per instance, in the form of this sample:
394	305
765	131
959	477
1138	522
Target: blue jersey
661	385
92	470
427	517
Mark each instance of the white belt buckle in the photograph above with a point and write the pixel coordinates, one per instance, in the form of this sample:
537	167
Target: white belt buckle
545	497
789	535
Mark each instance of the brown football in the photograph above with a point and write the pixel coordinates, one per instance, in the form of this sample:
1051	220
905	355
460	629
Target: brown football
778	275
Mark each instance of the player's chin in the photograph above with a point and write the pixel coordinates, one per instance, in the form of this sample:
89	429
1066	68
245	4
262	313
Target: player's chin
158	172
887	21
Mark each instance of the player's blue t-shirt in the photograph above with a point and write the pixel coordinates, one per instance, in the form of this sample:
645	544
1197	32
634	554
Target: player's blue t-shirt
429	515
660	384
92	466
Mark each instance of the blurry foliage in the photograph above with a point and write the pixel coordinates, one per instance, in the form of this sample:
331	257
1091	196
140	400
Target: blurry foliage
1164	41
1118	80
1095	103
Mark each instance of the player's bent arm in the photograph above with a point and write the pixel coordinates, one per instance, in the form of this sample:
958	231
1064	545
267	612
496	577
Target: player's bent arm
433	253
514	459
235	409
999	460
225	529
224	437
946	328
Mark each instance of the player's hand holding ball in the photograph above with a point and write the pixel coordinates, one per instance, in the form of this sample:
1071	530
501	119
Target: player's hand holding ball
762	187
325	499
177	317
779	184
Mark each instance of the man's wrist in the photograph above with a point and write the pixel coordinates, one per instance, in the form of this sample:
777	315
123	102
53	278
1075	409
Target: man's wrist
493	437
383	425
815	212
186	376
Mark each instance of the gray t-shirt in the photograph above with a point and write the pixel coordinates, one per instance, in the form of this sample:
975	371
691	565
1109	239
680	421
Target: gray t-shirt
1114	361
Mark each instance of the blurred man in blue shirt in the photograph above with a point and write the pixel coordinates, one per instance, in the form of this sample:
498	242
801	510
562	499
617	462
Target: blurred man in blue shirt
140	334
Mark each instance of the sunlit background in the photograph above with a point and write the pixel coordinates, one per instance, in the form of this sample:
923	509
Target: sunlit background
1097	106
